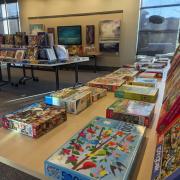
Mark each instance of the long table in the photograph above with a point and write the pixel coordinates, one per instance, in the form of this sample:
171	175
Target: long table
55	67
31	153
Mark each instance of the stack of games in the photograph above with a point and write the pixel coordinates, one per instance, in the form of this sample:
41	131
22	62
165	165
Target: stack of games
111	84
34	120
9	39
144	82
167	155
171	103
137	112
156	66
104	149
140	93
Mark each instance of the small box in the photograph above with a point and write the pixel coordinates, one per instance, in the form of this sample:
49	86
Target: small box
157	66
104	149
137	112
58	98
138	93
147	75
167	153
34	120
78	101
97	93
111	84
148	82
159	72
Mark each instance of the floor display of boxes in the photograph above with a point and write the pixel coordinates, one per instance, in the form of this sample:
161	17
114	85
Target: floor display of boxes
104	149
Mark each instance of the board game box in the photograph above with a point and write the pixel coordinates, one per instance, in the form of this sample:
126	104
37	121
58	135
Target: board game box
111	84
144	82
159	72
140	93
137	112
157	66
167	155
104	149
34	120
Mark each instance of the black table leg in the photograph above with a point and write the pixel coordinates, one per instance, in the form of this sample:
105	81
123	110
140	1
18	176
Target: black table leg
0	73
95	64
9	72
76	73
57	77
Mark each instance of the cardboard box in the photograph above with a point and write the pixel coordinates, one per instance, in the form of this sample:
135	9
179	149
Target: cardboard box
78	102
58	98
34	120
104	149
166	158
97	93
111	84
148	82
147	75
139	93
137	112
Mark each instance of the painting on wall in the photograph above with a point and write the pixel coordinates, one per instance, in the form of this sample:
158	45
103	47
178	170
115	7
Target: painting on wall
109	30
90	34
109	47
35	28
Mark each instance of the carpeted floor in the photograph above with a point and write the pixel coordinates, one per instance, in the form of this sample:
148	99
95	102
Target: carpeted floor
9	173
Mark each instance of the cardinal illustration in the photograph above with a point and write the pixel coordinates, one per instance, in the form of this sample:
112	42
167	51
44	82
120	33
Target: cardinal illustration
87	165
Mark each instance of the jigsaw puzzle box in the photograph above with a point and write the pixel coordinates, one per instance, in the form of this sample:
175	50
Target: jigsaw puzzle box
104	149
34	120
137	112
139	93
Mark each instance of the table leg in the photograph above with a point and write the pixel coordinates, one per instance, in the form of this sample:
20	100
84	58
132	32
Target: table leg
9	72
57	77
76	73
0	73
95	64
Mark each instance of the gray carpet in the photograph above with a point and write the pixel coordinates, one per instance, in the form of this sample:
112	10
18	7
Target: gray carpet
9	173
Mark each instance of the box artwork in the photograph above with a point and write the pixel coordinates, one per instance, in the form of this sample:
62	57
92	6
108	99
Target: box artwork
111	84
147	75
105	149
144	82
137	112
34	120
167	155
78	102
140	93
156	66
159	72
97	93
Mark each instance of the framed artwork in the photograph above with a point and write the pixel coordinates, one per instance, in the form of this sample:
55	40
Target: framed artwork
90	34
109	30
20	54
35	28
52	31
109	47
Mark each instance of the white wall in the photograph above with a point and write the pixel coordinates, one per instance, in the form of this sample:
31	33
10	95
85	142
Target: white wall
33	8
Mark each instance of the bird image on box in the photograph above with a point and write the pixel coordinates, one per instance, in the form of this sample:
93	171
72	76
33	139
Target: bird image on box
117	166
87	165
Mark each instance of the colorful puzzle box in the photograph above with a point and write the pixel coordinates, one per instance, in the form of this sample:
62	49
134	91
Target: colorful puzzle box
111	84
167	155
34	120
105	149
140	93
143	82
137	112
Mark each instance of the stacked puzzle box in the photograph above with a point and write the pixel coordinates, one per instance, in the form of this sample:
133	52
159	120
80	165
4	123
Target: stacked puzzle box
75	100
104	149
34	120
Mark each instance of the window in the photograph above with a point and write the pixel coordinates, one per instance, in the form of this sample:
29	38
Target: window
9	17
160	35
